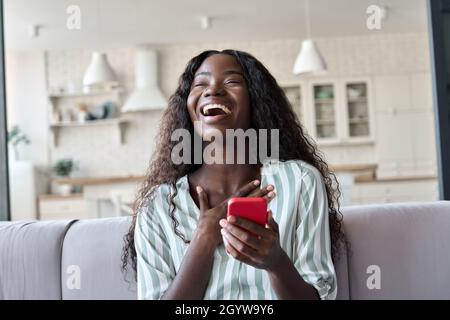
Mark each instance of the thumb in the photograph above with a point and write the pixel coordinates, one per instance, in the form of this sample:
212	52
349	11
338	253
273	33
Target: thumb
203	199
271	223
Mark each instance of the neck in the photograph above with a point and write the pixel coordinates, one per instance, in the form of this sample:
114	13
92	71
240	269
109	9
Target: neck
229	177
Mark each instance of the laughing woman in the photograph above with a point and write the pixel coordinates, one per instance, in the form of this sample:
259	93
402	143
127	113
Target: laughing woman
181	244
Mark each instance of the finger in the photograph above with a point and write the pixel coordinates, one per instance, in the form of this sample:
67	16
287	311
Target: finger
270	196
242	192
248	225
241	234
271	223
225	242
203	199
261	192
239	256
238	245
247	189
267	193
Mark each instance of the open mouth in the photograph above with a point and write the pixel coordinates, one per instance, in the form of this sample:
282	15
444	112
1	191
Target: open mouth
215	110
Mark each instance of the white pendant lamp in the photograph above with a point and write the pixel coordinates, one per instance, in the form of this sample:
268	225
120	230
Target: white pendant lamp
99	71
309	60
147	95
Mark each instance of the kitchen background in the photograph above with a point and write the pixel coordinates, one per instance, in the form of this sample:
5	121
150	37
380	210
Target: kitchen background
388	156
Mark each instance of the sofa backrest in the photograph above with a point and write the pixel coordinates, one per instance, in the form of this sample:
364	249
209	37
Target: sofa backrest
30	259
91	261
92	250
405	245
402	248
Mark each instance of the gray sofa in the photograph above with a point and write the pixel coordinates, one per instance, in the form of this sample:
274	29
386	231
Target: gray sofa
398	251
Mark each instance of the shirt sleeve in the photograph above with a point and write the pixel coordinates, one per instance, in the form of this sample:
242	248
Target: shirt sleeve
313	246
155	268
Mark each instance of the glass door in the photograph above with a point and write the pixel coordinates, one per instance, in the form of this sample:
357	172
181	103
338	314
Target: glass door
293	94
324	107
357	109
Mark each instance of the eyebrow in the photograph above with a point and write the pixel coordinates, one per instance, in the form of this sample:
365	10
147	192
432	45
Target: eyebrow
226	72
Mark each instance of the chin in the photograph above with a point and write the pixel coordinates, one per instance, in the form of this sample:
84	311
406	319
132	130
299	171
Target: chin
209	132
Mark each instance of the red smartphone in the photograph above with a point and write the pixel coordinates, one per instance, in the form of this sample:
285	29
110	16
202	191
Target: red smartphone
254	209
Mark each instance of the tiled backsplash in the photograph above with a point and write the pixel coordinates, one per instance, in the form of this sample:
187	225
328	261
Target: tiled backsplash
376	56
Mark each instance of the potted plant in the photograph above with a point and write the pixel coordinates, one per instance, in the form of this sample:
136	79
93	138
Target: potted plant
63	168
17	138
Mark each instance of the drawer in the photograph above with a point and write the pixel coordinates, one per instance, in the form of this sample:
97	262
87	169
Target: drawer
63	208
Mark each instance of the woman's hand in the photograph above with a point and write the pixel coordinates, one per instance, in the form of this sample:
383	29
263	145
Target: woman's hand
262	251
208	225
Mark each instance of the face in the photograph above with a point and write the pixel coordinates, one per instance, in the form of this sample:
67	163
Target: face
219	96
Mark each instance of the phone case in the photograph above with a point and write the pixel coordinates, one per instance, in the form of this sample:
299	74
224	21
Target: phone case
254	209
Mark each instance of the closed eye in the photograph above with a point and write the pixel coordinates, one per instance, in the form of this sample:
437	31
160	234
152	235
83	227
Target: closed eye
232	81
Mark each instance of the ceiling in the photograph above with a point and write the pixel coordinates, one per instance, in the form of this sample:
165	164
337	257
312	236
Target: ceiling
119	23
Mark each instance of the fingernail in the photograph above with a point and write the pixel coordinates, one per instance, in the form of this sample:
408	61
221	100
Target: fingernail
223	222
256	182
271	194
222	231
270	187
199	189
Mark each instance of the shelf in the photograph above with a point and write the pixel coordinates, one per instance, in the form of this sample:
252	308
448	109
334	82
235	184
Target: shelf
325	122
120	123
357	100
60	197
85	94
358	120
321	101
101	122
99	180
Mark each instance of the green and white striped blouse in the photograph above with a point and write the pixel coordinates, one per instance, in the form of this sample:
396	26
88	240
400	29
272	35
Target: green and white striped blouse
300	209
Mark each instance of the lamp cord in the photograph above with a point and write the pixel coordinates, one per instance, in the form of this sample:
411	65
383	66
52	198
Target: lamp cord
308	22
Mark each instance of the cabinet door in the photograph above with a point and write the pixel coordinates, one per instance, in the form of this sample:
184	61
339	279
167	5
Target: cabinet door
357	109
324	106
293	94
70	208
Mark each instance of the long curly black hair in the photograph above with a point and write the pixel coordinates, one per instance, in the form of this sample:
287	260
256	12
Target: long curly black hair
270	110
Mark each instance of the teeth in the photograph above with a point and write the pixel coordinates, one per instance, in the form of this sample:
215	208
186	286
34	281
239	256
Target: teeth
215	106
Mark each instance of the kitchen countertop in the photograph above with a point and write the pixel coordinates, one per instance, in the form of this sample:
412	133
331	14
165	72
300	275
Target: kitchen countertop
368	169
60	197
363	173
98	180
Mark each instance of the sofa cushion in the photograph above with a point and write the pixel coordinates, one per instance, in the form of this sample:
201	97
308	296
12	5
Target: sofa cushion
406	244
91	261
30	261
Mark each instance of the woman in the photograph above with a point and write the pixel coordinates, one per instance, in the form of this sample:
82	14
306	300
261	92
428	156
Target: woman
181	243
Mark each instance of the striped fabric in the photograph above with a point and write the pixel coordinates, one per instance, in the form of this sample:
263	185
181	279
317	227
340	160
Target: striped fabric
300	209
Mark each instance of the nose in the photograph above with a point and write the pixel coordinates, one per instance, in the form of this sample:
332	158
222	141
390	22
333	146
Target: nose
214	89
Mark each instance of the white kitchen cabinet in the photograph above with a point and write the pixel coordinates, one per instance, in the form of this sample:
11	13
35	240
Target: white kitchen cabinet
406	137
340	111
294	94
323	104
55	207
392	93
395	190
334	110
